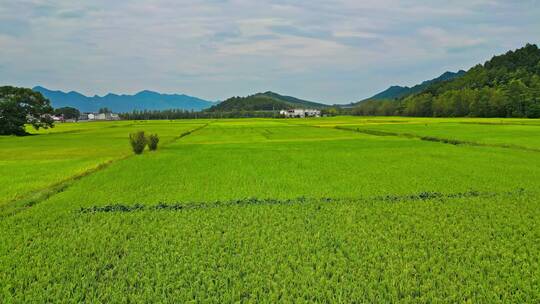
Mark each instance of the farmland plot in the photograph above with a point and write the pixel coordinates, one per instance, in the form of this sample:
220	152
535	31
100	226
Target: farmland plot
284	211
33	163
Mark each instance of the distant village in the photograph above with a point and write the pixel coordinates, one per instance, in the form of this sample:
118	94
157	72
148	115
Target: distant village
109	116
300	113
88	116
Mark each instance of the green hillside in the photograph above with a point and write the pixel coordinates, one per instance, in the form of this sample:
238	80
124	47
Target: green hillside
508	85
396	92
267	101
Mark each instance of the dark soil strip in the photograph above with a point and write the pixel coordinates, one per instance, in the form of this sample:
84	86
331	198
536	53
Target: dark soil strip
437	139
39	196
187	206
189	132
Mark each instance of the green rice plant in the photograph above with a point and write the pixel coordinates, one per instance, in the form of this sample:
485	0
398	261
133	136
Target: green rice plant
262	210
153	140
138	142
69	150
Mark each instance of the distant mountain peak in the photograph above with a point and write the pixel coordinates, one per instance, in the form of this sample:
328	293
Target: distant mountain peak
148	92
144	100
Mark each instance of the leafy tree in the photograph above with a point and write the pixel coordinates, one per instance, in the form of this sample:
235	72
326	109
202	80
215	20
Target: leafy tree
105	110
138	142
68	112
153	140
517	94
20	106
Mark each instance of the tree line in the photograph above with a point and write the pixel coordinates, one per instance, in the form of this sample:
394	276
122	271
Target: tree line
184	114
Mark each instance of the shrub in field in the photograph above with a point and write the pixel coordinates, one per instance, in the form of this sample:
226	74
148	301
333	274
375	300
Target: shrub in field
153	140
138	142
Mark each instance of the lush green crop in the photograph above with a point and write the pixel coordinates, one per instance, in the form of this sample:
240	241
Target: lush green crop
34	163
281	211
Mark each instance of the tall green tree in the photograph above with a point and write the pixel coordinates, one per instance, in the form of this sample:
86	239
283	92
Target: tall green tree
68	112
20	106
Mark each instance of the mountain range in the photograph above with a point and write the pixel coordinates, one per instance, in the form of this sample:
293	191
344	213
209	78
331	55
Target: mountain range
144	100
395	92
266	101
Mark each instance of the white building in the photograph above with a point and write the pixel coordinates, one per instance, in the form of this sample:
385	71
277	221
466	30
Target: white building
102	116
300	113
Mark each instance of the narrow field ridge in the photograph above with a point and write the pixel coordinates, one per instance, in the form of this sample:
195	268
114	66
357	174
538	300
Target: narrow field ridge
39	196
454	142
187	206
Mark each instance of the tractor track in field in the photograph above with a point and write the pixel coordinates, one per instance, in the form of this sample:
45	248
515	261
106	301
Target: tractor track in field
25	202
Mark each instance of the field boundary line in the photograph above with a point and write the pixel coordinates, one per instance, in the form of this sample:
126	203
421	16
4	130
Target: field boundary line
191	206
15	206
455	142
499	123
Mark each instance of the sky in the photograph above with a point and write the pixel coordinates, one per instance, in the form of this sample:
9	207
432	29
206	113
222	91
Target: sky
336	51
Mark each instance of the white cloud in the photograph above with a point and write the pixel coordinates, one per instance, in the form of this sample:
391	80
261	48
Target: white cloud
337	51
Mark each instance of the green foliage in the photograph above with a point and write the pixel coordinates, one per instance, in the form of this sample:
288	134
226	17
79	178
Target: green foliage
153	140
138	142
506	86
377	108
268	101
104	110
68	112
398	92
251	103
261	210
20	106
183	114
31	164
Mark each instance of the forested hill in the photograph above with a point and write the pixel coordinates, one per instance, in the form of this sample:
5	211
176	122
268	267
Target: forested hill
267	101
395	92
508	85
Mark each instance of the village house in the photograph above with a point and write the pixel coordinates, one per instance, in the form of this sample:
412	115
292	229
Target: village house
99	116
300	113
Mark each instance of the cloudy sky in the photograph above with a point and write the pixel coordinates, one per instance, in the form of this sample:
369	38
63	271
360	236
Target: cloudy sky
331	51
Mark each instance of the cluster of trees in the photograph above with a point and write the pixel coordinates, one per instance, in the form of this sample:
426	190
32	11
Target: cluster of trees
104	110
21	106
506	86
68	113
139	140
268	101
250	103
183	114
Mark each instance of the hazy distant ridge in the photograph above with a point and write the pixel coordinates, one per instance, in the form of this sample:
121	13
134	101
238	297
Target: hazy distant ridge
144	100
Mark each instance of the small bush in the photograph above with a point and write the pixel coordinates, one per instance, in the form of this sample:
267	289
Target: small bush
153	140
138	142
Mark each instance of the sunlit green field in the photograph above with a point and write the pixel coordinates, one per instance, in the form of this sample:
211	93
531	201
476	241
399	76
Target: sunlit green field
341	209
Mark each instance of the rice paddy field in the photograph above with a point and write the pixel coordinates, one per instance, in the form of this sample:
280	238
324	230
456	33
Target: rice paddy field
333	210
